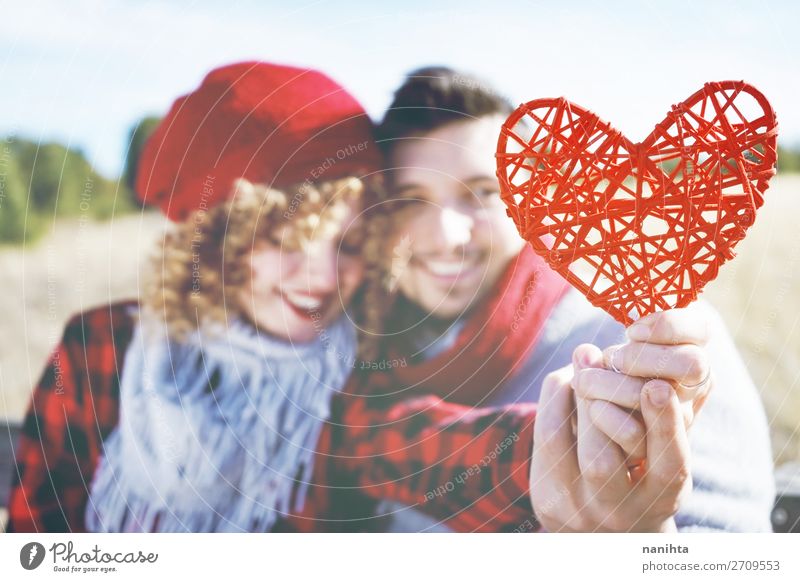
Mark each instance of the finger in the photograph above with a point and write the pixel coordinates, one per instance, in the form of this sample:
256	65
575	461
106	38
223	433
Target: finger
587	356
625	392
621	427
601	461
697	395
668	453
693	400
553	438
688	414
684	363
701	397
602	384
672	327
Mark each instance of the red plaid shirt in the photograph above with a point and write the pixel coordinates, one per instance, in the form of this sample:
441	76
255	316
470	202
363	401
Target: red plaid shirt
467	467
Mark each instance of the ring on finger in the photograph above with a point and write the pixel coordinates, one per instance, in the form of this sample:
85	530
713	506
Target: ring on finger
611	361
700	384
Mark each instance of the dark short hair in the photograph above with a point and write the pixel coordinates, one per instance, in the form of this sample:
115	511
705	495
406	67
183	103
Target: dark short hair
431	97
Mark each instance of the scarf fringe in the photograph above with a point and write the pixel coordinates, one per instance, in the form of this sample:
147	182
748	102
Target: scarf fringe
189	458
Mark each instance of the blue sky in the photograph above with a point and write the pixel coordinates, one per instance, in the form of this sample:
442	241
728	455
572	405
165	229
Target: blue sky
82	72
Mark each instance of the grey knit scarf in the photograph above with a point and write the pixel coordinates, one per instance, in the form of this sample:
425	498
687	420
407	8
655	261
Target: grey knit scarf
216	434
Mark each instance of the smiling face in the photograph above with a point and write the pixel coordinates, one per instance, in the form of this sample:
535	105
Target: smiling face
453	224
296	288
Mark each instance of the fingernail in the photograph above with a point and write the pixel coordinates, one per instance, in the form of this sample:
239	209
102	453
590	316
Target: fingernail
658	392
639	331
581	358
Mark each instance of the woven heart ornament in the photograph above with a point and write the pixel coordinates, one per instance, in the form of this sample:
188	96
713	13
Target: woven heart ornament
639	227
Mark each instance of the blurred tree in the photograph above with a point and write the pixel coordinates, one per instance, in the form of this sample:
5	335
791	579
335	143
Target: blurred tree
788	160
41	182
42	167
15	219
54	182
136	139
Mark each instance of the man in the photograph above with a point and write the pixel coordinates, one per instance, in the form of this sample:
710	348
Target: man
483	322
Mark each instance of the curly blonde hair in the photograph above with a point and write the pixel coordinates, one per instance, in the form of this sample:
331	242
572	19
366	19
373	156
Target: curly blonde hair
201	264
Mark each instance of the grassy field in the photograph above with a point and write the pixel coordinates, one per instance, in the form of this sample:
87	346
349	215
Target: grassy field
758	294
81	264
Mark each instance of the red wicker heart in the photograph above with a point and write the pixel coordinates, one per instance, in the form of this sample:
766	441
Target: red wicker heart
639	227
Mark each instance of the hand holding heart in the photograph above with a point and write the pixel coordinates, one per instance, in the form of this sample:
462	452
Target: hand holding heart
664	348
637	228
620	417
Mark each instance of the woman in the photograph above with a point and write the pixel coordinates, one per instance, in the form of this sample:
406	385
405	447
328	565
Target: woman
200	408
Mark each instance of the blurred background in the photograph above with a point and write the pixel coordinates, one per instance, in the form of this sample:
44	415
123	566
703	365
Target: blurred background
83	82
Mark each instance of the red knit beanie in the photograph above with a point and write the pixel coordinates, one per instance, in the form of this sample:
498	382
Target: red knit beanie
267	123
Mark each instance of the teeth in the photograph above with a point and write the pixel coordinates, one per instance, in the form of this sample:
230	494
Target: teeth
447	269
304	302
